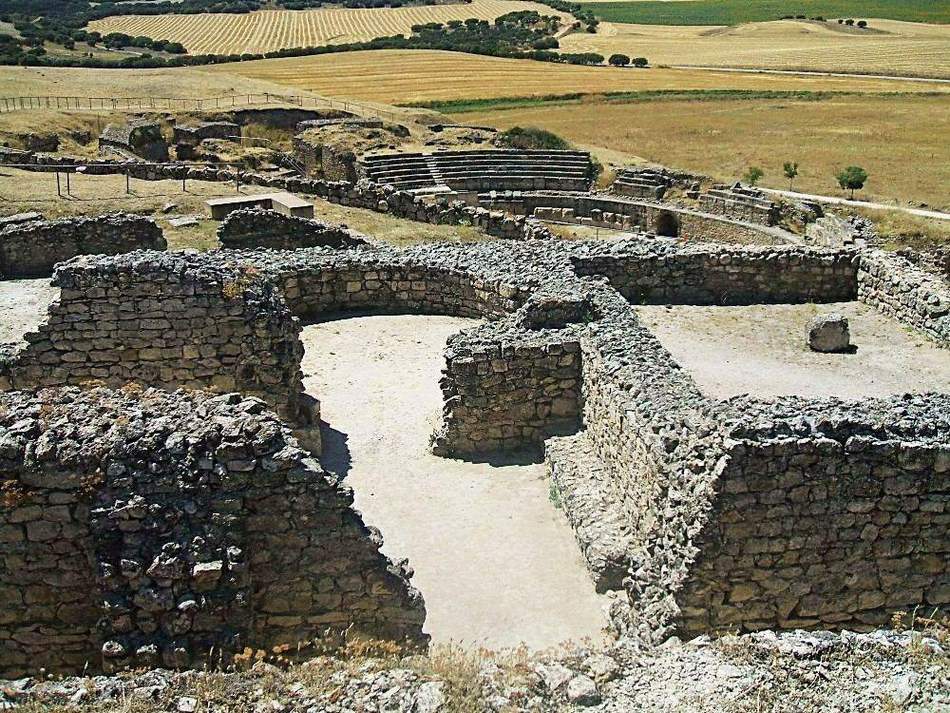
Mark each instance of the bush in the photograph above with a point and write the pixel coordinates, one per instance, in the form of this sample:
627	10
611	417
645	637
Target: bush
862	24
640	62
519	137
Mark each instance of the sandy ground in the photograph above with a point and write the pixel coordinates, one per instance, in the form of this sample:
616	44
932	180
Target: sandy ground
23	306
496	561
762	350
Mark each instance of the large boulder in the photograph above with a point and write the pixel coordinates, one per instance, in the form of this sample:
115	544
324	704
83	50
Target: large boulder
829	333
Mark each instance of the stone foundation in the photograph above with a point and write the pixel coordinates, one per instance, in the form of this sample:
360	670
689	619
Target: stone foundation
254	228
32	249
705	514
141	528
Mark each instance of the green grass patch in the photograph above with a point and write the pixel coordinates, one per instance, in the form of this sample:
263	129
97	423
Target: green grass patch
462	106
733	12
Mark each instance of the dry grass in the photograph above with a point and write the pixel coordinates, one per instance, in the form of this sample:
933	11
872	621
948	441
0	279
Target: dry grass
268	30
181	82
92	195
902	48
404	76
908	159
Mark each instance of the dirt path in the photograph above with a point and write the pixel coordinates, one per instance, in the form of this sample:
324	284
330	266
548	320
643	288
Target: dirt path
835	200
495	560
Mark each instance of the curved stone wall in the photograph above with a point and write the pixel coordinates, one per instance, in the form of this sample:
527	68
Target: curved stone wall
142	528
697	516
32	249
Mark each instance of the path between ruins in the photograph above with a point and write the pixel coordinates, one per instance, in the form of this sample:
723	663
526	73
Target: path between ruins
495	560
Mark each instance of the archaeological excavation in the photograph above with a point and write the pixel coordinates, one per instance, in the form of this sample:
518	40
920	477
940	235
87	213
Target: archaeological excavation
728	414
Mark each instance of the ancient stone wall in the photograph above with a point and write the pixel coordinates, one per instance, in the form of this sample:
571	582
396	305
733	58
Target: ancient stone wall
741	203
32	249
905	292
507	397
829	514
663	219
666	272
427	280
165	320
142	528
255	228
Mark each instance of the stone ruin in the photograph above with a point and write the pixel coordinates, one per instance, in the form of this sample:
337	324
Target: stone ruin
140	138
32	247
698	515
255	228
140	528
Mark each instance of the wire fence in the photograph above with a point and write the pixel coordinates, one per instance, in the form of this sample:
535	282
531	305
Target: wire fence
70	103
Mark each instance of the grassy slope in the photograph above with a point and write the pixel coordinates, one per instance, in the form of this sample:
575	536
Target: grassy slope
732	12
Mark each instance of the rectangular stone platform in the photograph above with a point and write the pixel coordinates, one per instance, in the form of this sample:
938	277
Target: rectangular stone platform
282	202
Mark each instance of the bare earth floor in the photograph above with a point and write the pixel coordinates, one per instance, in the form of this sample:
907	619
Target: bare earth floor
23	305
495	560
762	350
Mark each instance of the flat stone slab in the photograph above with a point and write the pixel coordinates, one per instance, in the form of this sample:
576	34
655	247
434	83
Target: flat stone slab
601	527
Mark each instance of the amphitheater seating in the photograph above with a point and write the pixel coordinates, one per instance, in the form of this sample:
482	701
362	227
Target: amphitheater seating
500	170
740	203
640	184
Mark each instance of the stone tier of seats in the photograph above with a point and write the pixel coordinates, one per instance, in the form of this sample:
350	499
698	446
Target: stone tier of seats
740	202
503	170
640	184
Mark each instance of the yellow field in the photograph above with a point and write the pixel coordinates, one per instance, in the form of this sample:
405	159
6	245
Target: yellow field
267	30
402	76
890	47
907	157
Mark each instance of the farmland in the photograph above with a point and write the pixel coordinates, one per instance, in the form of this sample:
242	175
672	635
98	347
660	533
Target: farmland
889	47
421	76
733	12
268	30
908	159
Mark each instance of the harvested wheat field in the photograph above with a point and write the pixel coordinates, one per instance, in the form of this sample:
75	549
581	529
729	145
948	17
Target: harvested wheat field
369	76
908	159
268	30
887	47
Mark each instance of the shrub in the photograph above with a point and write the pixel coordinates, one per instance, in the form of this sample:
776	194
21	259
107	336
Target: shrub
519	137
852	178
640	62
862	24
753	175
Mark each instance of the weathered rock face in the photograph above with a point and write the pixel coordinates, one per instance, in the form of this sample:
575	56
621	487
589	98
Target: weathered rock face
32	248
142	528
254	228
829	333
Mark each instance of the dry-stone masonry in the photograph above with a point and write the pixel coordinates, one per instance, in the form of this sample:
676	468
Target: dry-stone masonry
255	228
700	514
31	249
165	320
143	528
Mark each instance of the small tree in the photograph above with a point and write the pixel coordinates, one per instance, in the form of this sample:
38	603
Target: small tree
852	178
753	175
619	60
640	62
790	169
862	24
